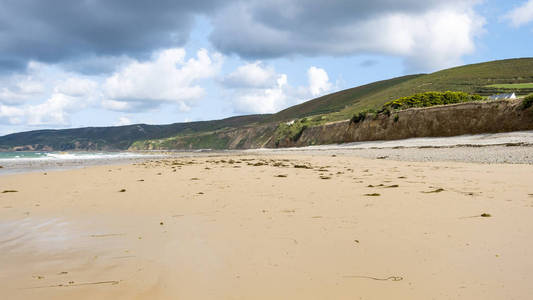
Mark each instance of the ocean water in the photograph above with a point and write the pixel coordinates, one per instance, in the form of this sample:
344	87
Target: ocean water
22	161
25	156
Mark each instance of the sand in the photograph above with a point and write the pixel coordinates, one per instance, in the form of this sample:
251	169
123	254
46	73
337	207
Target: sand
230	227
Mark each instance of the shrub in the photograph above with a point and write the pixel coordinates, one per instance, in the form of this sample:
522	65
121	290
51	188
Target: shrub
396	118
293	132
359	117
429	99
527	102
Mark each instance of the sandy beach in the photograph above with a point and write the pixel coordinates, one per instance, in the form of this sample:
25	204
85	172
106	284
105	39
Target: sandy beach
278	226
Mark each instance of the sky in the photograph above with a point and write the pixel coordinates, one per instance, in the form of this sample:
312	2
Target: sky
67	64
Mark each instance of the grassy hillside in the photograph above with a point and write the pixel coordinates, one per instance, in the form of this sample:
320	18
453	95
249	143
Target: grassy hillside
339	100
484	79
469	79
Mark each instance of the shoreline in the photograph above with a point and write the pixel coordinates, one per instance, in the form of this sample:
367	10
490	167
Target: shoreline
482	154
511	148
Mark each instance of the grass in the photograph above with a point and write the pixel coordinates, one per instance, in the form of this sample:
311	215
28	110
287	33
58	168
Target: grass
512	86
292	131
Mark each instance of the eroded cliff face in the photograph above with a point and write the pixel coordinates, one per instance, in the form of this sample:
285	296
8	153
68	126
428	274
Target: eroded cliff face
449	120
234	138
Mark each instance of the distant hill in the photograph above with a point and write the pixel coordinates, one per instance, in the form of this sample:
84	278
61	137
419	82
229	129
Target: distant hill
484	79
116	137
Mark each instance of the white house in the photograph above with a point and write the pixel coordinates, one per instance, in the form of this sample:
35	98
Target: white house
503	96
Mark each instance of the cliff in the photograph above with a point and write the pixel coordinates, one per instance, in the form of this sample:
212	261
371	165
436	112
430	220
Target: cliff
449	120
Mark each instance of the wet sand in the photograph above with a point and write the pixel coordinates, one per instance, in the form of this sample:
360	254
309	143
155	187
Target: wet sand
286	226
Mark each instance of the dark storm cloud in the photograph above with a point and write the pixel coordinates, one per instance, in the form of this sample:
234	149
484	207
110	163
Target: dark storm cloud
88	36
58	30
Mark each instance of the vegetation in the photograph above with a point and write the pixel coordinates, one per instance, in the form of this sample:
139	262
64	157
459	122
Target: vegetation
293	130
512	85
208	140
362	115
429	99
359	117
527	102
418	100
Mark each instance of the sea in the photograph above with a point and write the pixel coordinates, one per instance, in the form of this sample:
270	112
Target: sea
28	161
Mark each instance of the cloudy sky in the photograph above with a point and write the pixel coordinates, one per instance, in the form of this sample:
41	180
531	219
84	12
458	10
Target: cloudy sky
67	63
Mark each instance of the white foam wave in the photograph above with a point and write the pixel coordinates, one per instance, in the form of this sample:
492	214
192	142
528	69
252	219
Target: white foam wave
73	156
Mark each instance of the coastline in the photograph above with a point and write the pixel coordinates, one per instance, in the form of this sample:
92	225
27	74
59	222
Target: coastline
511	147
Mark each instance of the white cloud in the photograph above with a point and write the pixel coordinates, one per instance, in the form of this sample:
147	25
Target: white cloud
55	111
251	75
11	115
166	78
429	34
318	81
18	89
274	92
263	100
521	15
435	40
8	96
117	105
123	121
44	96
77	87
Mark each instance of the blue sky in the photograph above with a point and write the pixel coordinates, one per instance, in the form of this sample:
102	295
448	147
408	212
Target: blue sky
69	64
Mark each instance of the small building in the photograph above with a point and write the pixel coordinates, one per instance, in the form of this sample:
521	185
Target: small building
290	123
502	96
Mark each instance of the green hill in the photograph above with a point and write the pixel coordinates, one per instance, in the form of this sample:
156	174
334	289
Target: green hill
340	100
484	79
116	137
470	79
